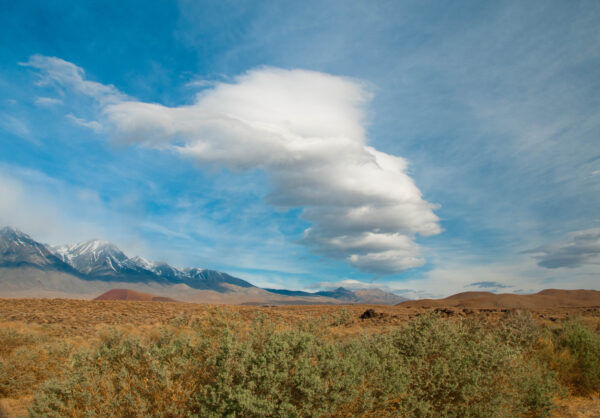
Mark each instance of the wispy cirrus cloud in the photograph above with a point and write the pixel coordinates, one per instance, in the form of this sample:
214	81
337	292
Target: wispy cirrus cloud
63	74
90	124
14	125
47	101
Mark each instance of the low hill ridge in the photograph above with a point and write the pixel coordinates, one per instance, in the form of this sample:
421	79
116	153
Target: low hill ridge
549	298
132	295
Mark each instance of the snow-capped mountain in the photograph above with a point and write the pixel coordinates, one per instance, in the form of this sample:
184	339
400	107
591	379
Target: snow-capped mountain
93	257
102	260
143	263
19	249
32	268
159	268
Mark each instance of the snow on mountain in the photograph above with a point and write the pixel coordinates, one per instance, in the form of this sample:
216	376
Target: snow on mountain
159	268
142	262
167	271
28	266
19	249
102	260
95	257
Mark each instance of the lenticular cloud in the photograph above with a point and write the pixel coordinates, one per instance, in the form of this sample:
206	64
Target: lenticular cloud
305	130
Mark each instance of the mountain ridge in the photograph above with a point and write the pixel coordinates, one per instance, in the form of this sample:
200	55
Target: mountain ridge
103	266
367	296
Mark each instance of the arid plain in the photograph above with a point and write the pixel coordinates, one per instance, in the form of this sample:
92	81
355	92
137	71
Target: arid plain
33	330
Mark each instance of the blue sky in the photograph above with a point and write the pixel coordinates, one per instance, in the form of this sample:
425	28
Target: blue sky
215	134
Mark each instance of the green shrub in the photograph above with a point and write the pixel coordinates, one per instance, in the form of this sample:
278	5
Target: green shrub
342	317
463	369
287	373
269	373
124	374
520	330
430	368
577	357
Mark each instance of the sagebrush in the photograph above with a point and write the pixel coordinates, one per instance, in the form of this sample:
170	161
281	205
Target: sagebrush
223	365
429	367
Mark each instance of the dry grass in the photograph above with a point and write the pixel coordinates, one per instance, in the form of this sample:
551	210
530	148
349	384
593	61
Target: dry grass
578	407
69	317
39	335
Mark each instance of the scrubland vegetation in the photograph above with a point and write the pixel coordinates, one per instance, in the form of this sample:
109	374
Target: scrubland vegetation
223	364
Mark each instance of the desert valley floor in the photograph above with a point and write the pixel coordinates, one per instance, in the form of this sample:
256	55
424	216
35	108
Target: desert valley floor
81	322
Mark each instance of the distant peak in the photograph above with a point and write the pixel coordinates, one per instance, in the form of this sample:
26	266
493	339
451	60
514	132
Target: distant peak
193	270
12	234
7	230
96	244
140	259
343	290
142	262
95	248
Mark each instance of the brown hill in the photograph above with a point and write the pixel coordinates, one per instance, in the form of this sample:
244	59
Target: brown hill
546	299
126	294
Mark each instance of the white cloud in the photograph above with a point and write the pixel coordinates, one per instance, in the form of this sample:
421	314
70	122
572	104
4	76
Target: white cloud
43	207
517	275
61	73
520	275
47	101
55	212
90	124
305	129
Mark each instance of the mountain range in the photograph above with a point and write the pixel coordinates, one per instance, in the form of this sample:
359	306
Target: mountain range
31	269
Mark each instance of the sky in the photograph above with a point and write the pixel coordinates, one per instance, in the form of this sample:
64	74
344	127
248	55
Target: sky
425	148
